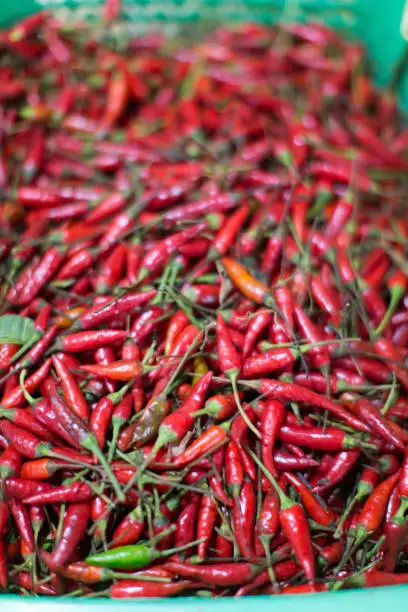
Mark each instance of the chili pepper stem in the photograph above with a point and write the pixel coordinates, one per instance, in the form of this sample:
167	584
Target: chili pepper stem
91	444
348	551
397	293
269	563
112	445
29	398
283	498
233	376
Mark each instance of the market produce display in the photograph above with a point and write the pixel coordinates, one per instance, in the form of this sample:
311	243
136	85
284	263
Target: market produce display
203	313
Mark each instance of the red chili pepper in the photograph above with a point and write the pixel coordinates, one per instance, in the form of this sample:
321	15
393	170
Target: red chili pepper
10	463
77	491
118	370
374	578
341	172
285	462
186	522
112	270
129	529
23	418
271	421
393	359
294	524
379	424
223	545
146	323
234	472
88	340
317	510
269	361
43	273
38	350
22	520
207	516
188	336
107	207
327	439
258	323
341	466
397	286
394	532
375	507
327	299
114	308
193	210
80	432
228	357
99	516
15	397
165	248
41	469
72	392
178	322
47	416
117	98
217	487
218	407
207	442
175	425
220	574
73	529
285	391
267	525
103	413
124	589
227	233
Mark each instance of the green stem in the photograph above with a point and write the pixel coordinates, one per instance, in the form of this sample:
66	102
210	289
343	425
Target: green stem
286	502
397	294
233	375
91	444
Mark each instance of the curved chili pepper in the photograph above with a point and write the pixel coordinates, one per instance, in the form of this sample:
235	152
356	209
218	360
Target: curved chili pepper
375	507
130	529
247	284
378	424
72	392
286	391
81	433
77	491
175	425
209	440
318	512
164	249
338	470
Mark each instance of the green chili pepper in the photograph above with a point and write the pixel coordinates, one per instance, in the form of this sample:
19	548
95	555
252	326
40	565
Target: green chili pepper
134	556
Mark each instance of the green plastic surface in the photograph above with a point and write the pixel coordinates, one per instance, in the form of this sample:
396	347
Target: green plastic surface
377	23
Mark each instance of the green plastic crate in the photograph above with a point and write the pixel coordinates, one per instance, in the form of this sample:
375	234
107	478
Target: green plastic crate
377	23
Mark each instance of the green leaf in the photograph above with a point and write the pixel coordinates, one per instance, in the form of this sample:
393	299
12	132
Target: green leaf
17	330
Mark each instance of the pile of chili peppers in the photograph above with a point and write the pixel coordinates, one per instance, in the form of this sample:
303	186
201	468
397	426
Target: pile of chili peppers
204	314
